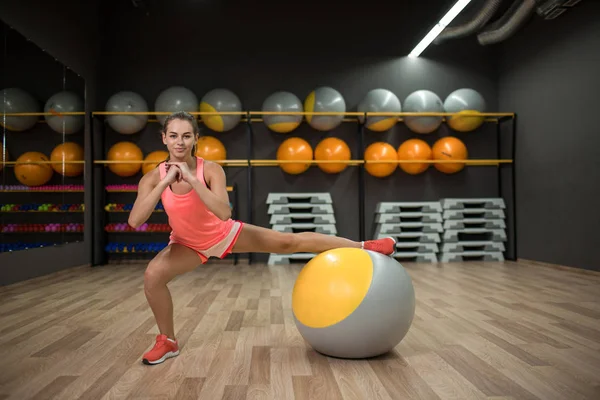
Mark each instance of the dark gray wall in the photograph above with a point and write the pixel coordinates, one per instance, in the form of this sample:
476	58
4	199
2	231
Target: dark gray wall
549	76
148	60
68	31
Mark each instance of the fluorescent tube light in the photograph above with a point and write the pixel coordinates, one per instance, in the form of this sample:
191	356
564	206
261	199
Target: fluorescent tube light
439	27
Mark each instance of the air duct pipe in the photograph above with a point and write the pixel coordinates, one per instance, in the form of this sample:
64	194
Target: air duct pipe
507	25
475	24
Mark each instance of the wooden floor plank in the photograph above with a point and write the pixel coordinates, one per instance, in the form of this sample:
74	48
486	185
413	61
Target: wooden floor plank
481	330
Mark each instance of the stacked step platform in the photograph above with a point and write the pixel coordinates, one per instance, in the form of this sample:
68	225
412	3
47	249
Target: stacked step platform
416	226
300	212
474	229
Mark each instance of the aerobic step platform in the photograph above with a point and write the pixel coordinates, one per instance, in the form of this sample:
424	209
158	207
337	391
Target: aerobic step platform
474	223
461	247
300	208
398	218
416	226
328	229
474	229
461	204
290	198
408	227
307	218
460	235
412	237
474	213
399	207
300	212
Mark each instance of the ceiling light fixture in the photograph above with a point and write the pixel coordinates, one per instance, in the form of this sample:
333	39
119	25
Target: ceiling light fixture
439	27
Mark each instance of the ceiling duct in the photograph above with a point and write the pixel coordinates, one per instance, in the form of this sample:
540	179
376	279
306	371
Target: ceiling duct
486	12
507	25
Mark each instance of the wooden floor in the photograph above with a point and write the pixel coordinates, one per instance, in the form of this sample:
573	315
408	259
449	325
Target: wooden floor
481	330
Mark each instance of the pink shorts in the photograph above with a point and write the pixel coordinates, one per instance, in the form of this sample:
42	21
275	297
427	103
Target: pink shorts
221	249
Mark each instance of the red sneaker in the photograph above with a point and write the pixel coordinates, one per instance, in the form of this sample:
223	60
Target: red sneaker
385	246
163	348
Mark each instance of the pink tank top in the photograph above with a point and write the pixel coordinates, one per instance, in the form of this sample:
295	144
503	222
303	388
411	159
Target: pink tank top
193	224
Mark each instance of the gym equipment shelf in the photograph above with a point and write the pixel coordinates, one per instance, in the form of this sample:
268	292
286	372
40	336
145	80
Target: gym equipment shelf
250	117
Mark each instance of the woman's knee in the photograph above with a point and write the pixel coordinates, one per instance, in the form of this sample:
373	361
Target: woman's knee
288	242
156	274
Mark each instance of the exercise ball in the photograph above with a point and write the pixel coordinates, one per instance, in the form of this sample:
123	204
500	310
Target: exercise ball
353	303
381	151
126	101
422	101
65	152
464	101
128	152
324	99
157	157
282	102
221	100
210	148
15	100
63	102
294	148
332	149
379	100
33	174
414	149
173	99
449	148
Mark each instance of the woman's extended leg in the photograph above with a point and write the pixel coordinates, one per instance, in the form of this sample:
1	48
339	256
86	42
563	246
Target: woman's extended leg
174	260
255	239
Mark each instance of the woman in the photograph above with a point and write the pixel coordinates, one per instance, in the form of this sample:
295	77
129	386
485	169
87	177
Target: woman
194	195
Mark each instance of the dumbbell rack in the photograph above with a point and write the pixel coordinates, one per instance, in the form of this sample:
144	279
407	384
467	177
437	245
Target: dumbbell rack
474	229
416	226
300	212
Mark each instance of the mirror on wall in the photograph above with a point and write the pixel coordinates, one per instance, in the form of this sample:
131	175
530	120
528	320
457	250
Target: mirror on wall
41	203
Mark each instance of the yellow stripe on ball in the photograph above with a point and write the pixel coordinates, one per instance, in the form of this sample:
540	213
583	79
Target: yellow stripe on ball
382	125
465	123
284	127
309	105
331	286
214	122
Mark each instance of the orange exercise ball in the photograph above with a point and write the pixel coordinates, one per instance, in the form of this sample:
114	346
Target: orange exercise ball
156	156
381	151
125	151
449	148
332	149
33	174
414	149
210	148
65	152
294	148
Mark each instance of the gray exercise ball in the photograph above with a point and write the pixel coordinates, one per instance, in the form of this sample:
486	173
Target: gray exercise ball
16	100
380	100
281	102
324	99
221	100
61	102
423	101
126	101
465	100
173	99
353	303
